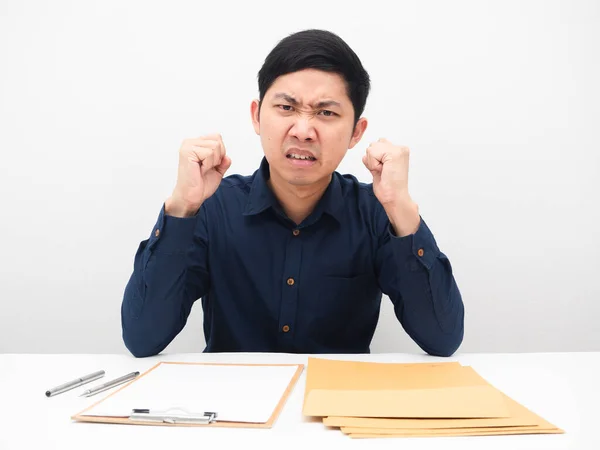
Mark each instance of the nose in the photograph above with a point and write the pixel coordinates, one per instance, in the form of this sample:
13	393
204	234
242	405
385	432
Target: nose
303	129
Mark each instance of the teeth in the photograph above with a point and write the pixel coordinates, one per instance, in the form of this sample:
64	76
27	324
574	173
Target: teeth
295	156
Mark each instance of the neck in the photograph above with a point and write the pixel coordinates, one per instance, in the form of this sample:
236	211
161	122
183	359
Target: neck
297	201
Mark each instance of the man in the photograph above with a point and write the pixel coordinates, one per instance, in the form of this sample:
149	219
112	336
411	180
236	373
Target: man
295	257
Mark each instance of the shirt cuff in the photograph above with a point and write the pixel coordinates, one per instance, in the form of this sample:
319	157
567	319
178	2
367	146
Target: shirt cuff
420	245
172	234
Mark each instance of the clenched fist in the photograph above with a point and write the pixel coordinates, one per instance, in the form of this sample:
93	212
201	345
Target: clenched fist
388	163
202	164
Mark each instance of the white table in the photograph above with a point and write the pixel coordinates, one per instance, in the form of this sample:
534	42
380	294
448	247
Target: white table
563	388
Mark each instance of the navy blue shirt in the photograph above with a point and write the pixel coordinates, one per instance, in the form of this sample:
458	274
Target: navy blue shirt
269	285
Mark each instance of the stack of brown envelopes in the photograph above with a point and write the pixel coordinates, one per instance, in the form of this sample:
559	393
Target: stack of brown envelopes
368	400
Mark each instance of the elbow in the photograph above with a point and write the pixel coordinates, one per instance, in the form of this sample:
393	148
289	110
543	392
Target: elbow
134	330
444	344
448	343
138	348
143	338
450	339
444	352
141	354
444	349
137	340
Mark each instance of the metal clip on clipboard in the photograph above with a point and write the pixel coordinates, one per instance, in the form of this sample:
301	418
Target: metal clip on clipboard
173	416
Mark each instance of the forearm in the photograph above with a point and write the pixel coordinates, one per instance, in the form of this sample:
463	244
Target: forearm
153	313
431	310
162	288
425	294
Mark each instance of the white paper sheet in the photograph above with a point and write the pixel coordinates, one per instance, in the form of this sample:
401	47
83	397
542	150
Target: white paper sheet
237	393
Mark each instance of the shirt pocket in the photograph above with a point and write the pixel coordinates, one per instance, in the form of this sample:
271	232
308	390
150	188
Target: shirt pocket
344	313
345	298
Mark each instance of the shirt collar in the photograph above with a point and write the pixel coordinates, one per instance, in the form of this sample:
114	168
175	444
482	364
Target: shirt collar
261	196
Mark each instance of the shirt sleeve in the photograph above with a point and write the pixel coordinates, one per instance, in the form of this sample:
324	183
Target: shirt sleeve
419	280
169	274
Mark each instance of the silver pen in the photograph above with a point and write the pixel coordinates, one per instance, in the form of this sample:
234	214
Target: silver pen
109	384
75	383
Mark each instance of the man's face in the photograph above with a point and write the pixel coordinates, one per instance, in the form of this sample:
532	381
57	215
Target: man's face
305	124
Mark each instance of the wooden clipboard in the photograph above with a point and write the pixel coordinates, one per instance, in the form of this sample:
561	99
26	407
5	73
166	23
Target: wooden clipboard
80	417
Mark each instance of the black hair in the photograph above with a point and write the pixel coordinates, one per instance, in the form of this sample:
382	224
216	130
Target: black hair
322	50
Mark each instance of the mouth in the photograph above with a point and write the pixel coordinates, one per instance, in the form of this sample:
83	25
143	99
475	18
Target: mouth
295	154
300	157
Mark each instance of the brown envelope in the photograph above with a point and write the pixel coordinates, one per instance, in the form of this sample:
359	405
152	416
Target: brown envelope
519	416
368	422
359	389
459	402
441	431
450	434
334	374
521	421
519	412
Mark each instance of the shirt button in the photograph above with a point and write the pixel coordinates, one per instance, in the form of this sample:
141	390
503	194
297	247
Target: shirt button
286	328
290	281
157	232
296	232
420	252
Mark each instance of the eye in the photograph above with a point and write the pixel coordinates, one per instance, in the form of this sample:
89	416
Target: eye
328	113
285	107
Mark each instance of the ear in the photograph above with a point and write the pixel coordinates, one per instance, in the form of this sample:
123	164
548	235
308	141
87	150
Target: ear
358	132
255	113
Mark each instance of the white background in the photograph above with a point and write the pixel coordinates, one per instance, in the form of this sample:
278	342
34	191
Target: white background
498	101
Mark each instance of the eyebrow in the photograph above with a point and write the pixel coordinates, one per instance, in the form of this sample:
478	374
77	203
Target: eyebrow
322	104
